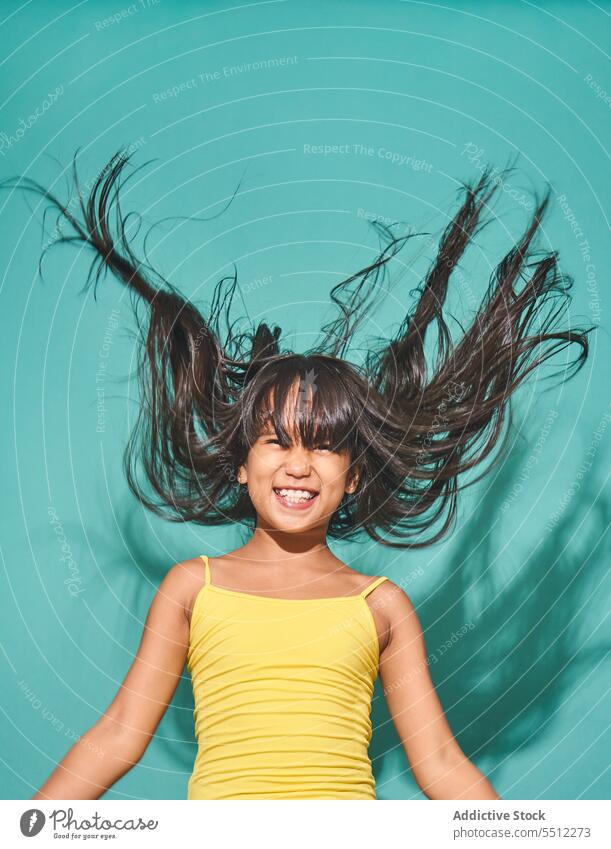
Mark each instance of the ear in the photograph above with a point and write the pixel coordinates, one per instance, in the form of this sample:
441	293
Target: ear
353	481
242	476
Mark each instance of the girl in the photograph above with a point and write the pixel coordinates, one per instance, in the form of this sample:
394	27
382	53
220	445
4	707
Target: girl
283	640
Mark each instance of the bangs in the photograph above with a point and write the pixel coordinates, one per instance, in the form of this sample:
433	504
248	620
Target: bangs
303	399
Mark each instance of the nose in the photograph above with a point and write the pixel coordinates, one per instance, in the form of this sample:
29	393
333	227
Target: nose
297	461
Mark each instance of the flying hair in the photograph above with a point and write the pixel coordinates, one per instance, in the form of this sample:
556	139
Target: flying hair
410	428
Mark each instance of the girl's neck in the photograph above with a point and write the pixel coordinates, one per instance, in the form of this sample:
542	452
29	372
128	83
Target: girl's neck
288	550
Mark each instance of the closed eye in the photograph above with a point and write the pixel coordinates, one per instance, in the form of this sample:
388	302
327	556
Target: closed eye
325	447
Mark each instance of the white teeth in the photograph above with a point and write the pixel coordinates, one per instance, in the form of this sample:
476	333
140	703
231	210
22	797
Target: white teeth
295	494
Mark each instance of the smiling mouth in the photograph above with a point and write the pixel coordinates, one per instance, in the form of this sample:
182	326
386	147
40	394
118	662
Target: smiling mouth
295	498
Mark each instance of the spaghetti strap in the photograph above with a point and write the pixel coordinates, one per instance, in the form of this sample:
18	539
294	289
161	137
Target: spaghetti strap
373	585
207	580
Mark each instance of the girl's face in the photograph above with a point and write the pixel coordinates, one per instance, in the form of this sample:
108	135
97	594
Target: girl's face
295	488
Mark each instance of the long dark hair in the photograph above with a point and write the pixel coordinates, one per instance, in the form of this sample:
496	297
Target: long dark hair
409	429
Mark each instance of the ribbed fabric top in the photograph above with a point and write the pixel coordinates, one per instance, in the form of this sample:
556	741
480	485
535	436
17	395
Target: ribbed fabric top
282	691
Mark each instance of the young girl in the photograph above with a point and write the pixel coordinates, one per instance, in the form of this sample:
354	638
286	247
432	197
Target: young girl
283	640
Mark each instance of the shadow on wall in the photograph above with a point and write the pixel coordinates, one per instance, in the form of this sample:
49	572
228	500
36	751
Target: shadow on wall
503	681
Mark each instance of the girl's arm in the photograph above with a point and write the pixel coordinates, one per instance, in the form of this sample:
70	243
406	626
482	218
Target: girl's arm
439	765
117	741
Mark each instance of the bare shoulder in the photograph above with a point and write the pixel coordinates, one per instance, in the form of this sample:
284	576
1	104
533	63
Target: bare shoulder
396	600
183	581
392	606
399	615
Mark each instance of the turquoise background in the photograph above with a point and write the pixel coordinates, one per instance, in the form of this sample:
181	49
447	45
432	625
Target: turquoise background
448	87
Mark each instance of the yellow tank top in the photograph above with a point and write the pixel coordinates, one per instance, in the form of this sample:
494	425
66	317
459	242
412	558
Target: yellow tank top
282	691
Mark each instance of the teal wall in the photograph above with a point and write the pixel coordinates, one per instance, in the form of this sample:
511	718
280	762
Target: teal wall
520	589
